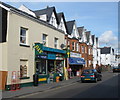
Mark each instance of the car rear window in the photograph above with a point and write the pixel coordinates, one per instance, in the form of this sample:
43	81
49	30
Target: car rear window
87	71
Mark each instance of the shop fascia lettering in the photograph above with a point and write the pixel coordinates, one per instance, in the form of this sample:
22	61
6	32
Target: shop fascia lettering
77	55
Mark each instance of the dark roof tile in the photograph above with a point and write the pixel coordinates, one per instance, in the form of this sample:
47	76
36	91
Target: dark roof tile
70	26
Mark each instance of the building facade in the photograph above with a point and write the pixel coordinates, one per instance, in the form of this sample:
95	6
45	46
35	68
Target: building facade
30	45
107	56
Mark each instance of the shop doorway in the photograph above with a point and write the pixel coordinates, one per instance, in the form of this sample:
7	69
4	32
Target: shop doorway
41	66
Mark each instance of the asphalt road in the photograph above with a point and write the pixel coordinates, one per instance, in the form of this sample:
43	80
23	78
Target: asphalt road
107	88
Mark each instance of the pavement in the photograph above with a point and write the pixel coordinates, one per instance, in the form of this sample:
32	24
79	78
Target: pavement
40	88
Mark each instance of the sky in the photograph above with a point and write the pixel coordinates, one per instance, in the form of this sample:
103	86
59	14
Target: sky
101	18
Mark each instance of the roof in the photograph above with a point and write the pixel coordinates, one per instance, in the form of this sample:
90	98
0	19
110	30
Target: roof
70	26
93	38
48	11
80	30
106	50
29	16
87	35
59	16
97	40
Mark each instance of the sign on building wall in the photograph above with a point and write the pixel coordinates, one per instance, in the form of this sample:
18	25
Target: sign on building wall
77	55
38	48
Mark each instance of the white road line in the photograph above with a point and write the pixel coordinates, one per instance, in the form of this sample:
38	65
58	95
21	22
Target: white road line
47	90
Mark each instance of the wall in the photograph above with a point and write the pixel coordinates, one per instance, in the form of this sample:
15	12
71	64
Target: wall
16	52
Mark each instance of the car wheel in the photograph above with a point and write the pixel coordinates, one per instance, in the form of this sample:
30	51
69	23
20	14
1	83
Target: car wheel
95	80
101	79
82	81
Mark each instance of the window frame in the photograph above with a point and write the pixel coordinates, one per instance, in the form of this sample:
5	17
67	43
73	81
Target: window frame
45	39
55	43
22	36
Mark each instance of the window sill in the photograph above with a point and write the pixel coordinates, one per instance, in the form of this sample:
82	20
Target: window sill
25	78
24	45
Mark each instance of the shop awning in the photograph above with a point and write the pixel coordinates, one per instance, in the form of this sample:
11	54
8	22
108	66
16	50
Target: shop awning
76	61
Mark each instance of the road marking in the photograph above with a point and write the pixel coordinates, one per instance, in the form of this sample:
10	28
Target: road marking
46	90
49	89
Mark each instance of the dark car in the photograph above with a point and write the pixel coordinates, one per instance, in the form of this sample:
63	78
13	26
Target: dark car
90	75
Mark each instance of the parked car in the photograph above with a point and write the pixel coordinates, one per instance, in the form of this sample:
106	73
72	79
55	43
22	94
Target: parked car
91	75
116	69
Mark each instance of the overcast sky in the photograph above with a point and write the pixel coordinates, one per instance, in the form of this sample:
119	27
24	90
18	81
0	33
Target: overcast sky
101	18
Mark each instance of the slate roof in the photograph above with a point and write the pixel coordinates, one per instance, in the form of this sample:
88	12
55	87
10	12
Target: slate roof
59	16
93	39
87	36
106	50
97	40
48	11
80	30
29	15
70	26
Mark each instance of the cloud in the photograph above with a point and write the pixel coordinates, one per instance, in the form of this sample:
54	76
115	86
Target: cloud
107	37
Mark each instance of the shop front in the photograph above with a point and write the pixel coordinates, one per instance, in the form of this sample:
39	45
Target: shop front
76	63
49	64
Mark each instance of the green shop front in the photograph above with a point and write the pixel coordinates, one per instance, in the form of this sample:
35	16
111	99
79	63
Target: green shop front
49	63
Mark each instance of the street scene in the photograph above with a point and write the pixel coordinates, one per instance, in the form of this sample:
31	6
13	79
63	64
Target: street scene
50	51
107	88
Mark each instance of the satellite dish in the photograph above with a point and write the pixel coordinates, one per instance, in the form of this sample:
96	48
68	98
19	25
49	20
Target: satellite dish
62	46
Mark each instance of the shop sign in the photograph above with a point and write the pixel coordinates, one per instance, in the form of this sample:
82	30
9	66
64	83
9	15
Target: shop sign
52	56
41	56
76	61
77	55
53	50
38	48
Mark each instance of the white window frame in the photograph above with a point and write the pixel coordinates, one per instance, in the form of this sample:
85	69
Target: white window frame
23	68
24	36
77	46
44	41
89	51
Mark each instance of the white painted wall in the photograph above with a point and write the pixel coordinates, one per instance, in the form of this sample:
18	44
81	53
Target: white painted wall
75	31
13	52
43	17
55	21
25	9
107	59
63	26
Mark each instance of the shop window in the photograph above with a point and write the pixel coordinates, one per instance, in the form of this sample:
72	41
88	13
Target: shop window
44	39
41	66
23	36
56	42
23	68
